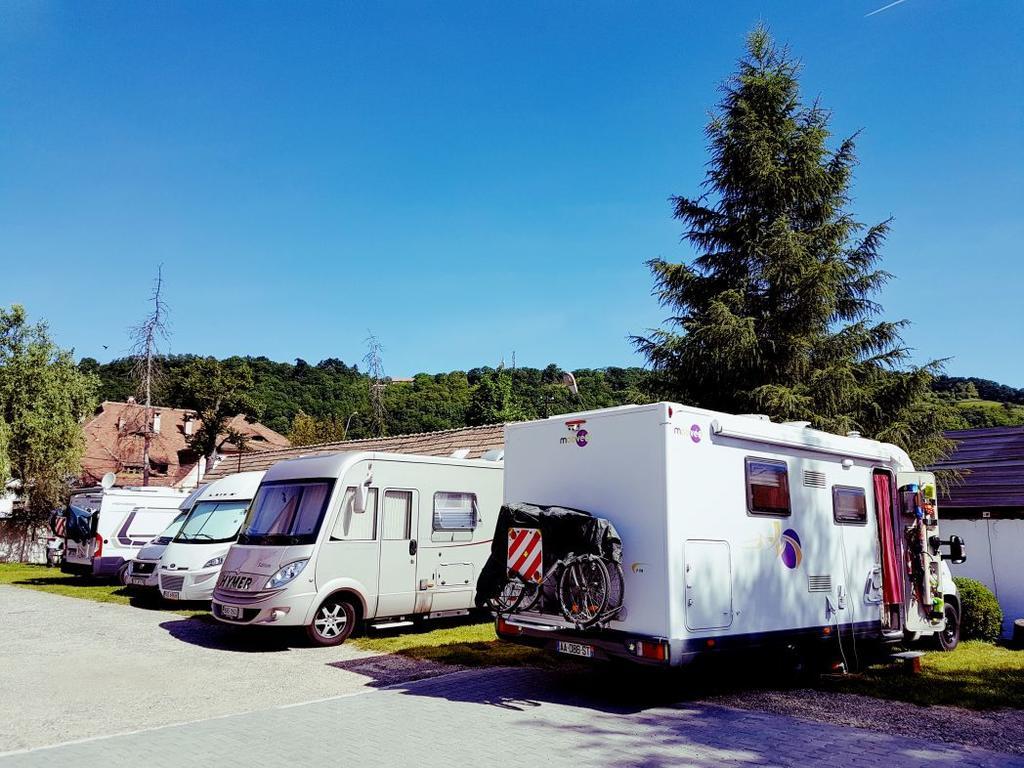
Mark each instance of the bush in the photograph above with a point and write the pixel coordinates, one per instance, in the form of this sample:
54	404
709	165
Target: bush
981	618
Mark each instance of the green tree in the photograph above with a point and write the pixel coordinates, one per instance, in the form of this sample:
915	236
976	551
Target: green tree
307	430
776	313
493	401
217	391
44	398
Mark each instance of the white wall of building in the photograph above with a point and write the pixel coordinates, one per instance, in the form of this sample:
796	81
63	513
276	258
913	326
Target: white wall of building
994	557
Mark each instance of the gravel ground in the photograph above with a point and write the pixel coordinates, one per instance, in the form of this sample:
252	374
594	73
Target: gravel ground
1000	730
73	669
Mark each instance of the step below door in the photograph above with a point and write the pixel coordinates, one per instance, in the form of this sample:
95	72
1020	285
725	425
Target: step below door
708	584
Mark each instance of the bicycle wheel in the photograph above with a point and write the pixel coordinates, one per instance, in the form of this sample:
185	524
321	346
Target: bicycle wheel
583	590
515	594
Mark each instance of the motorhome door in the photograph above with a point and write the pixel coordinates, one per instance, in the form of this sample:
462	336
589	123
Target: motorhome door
398	549
919	524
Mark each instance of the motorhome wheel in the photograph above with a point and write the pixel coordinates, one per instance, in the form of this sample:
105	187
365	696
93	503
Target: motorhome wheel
333	622
122	575
949	638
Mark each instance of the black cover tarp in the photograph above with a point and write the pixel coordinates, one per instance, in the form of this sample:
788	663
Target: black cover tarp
77	523
563	531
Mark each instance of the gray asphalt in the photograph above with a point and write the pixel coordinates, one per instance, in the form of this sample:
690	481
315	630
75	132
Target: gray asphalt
508	717
72	669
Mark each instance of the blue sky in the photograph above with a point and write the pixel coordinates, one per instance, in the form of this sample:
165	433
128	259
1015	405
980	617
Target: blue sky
468	180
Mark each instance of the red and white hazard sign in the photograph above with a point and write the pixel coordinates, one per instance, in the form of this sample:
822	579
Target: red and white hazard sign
59	525
526	553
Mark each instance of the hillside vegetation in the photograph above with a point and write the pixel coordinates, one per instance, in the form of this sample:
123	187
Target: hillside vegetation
312	402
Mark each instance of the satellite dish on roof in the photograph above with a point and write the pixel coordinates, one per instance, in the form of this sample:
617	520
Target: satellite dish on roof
108	481
570	383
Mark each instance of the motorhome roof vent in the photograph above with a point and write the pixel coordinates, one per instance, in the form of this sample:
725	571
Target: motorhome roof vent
814	479
819	583
801	424
853	433
758	416
495	454
460	453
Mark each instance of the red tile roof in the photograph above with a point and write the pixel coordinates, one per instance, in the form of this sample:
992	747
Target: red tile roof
477	440
114	443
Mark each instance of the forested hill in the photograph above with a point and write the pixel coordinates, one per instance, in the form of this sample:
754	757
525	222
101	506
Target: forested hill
312	403
325	395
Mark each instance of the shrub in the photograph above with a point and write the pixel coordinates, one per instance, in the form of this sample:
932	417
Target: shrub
981	618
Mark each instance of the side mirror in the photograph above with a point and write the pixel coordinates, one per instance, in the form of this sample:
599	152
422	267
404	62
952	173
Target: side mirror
362	494
359	502
957	550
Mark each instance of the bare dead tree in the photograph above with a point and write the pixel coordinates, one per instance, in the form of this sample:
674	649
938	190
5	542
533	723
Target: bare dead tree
146	337
375	370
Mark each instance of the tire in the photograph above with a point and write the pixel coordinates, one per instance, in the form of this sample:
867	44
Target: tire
583	590
122	575
516	595
949	638
333	622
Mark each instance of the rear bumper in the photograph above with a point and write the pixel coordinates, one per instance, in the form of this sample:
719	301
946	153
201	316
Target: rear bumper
101	567
607	644
616	644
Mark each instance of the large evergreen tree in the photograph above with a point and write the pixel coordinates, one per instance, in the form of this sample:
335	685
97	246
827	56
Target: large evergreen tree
777	311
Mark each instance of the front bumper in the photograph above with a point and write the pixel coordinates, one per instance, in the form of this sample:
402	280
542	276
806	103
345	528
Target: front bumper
150	580
189	585
280	608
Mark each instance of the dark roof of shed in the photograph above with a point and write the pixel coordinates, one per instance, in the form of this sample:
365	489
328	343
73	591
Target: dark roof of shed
477	440
991	464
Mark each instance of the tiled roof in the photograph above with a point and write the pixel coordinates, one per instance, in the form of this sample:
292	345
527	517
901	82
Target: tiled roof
114	442
991	463
477	440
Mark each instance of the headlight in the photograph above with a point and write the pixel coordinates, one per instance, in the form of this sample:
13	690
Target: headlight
215	561
286	574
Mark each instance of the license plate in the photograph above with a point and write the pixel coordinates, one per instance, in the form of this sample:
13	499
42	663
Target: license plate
172	595
137	581
231	612
576	649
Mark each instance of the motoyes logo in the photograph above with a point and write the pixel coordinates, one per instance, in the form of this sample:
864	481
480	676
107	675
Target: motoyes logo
579	434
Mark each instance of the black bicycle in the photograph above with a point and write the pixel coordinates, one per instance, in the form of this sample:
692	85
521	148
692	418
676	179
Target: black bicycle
588	590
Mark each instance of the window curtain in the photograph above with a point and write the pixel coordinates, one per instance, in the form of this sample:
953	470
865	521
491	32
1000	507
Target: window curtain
892	581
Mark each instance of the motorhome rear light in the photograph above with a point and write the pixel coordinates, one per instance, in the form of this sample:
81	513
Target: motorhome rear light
99	546
508	629
655	650
826	631
710	642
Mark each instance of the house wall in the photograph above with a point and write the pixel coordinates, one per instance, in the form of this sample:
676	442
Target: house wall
994	550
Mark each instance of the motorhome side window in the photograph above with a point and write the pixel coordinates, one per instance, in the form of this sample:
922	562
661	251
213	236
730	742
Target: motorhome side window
356	526
767	487
396	520
849	505
454	511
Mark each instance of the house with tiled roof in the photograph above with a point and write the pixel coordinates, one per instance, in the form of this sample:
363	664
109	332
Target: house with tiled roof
984	504
115	435
465	442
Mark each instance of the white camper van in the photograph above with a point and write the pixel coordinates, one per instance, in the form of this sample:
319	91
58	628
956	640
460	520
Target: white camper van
106	527
191	562
737	532
331	540
142	570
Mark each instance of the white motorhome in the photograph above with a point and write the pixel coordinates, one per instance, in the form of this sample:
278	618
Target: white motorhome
106	527
191	562
142	570
737	532
332	540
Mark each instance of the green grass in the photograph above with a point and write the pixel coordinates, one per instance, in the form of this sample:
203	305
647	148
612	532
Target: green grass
470	645
977	675
51	580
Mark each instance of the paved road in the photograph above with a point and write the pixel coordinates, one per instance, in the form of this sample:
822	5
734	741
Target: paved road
506	717
73	668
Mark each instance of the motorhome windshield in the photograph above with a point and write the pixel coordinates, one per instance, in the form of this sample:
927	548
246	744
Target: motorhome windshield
213	521
171	530
287	513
